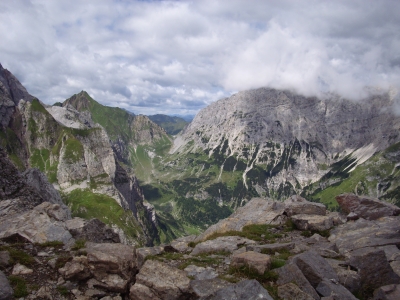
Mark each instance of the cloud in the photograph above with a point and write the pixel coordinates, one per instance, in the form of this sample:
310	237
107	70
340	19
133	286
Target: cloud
176	57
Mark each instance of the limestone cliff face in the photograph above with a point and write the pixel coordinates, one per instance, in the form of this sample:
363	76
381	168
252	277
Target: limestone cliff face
294	139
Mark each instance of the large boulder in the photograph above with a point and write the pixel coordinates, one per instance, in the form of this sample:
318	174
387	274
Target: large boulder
46	222
108	258
366	207
312	222
224	243
6	292
142	253
363	233
314	267
349	278
244	290
328	288
290	273
92	230
257	261
157	280
296	205
256	211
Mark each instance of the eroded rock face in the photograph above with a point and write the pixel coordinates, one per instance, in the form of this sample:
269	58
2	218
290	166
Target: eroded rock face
159	280
256	211
366	207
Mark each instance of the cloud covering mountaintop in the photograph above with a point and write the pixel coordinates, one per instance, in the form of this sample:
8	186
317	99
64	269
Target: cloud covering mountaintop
176	57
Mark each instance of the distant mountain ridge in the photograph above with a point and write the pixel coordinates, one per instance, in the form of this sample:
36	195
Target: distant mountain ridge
172	124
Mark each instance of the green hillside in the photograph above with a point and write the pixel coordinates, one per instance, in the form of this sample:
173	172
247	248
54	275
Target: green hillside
172	125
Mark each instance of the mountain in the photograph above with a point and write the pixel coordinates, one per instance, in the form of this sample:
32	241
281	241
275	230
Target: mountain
172	125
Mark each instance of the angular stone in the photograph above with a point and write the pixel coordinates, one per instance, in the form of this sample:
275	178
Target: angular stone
373	267
163	280
314	267
114	283
141	292
328	288
200	273
296	205
4	258
181	244
290	273
77	269
363	233
312	222
21	270
292	291
142	253
111	258
387	292
255	260
6	292
92	231
271	248
244	290
366	207
224	243
256	211
42	224
350	279
204	288
44	293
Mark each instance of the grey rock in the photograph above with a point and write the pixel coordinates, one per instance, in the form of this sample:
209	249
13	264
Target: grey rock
292	291
107	258
312	222
45	292
19	269
142	253
4	259
77	269
387	292
92	230
271	248
349	278
181	244
224	243
161	281
290	273
256	211
363	233
373	267
257	261
328	288
366	207
296	205
6	292
204	288
314	267
44	223
244	290
200	273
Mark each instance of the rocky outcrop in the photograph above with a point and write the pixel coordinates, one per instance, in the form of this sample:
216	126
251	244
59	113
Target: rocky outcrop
256	211
92	230
257	261
221	244
366	207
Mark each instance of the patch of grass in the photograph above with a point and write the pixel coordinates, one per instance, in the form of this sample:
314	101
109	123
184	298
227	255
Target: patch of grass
19	256
73	150
79	244
306	233
165	256
277	263
283	254
62	290
19	286
87	205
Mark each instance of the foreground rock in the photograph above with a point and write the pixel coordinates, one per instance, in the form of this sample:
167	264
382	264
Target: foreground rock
366	207
6	292
256	211
157	280
312	222
244	290
221	244
257	261
92	230
296	205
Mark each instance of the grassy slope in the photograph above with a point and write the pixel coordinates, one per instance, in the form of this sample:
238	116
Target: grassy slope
88	205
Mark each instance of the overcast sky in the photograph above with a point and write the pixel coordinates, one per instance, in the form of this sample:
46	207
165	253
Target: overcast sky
175	57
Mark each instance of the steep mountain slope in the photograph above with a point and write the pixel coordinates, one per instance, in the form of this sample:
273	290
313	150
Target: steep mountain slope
172	125
271	143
